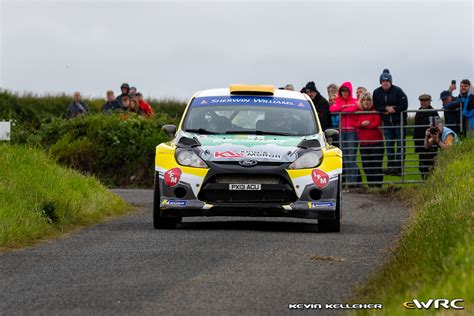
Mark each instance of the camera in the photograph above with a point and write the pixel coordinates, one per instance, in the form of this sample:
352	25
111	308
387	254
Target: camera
433	130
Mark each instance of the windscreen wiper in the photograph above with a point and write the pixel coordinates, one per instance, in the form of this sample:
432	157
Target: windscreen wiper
200	131
256	132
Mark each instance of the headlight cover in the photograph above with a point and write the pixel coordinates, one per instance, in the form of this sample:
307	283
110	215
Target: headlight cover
189	158
308	160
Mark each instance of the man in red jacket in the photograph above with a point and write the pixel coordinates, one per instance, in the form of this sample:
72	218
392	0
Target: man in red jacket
370	140
145	108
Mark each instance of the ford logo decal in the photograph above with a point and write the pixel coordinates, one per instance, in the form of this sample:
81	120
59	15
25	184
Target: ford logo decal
247	163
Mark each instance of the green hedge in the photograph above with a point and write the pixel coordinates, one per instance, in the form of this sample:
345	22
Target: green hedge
435	256
31	110
119	151
40	199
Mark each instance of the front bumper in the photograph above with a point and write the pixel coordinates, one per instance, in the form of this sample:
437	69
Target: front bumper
300	197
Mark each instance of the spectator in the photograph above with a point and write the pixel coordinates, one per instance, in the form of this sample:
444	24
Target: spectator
289	87
452	115
332	89
145	108
321	105
77	107
392	102
347	104
334	117
125	89
125	100
132	93
111	104
422	121
360	91
467	103
370	140
440	136
134	106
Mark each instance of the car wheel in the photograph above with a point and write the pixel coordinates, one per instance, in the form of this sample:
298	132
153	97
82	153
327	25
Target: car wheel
160	221
333	225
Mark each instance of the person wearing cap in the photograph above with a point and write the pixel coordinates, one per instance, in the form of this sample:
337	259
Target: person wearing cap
392	102
422	121
451	105
145	108
321	105
440	136
125	89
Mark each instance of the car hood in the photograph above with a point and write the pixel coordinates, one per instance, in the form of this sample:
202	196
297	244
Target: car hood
262	148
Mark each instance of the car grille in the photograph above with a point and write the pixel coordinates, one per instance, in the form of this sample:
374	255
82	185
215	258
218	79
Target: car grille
274	189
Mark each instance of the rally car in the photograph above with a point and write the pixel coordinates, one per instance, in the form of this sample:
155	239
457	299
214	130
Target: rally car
248	150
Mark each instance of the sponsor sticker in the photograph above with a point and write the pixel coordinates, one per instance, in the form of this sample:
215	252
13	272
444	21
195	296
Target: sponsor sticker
246	154
321	204
320	178
227	154
172	177
174	202
263	101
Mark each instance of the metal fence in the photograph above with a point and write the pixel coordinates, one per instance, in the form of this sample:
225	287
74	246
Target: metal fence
399	158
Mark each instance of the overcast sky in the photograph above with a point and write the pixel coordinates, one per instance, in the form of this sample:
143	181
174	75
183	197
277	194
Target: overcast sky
172	49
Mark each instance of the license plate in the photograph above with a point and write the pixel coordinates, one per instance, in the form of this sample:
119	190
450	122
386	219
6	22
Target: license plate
245	187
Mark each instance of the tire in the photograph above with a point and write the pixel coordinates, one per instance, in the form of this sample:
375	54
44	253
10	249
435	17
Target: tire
333	225
159	221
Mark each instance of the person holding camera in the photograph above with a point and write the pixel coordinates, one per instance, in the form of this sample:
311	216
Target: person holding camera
439	136
422	120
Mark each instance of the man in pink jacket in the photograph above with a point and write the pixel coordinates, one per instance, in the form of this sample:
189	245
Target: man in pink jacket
345	103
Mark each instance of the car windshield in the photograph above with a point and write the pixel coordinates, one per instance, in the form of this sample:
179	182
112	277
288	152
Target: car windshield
250	115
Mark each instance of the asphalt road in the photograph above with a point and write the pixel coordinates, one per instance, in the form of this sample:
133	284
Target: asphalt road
205	267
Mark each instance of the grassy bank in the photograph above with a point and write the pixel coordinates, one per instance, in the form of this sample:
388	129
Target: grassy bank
435	256
40	199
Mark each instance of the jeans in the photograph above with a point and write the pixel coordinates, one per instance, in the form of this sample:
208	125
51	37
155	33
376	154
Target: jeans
349	151
372	157
393	137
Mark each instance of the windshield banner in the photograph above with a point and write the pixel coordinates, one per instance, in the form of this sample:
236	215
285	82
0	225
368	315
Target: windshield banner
254	101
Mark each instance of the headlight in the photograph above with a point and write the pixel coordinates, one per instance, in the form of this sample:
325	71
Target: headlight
189	158
308	160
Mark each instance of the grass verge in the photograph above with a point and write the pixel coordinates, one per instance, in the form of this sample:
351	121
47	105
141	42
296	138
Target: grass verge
40	199
435	256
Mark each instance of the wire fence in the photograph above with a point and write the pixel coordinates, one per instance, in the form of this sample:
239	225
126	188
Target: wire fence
393	152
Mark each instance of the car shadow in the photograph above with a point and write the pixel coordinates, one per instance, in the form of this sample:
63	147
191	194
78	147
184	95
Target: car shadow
274	226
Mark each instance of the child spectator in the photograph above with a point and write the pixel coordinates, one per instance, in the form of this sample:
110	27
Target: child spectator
126	103
134	106
347	104
145	108
111	104
370	140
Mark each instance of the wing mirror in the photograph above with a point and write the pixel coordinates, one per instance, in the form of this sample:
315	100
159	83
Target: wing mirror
170	130
331	134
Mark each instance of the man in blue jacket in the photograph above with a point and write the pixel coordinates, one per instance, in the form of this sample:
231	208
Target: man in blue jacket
467	105
392	102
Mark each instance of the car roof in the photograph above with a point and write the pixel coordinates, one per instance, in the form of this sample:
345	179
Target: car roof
278	93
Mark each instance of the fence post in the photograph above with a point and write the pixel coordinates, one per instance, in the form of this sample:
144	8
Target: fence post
402	148
461	121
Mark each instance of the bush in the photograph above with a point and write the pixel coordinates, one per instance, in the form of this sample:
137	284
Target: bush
31	110
118	149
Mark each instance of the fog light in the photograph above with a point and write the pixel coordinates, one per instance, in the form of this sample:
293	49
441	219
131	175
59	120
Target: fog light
315	194
179	192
